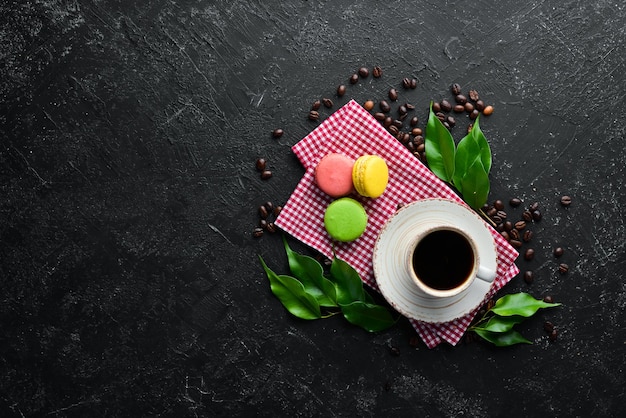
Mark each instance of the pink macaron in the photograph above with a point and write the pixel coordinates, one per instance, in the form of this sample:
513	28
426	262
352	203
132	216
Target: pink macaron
333	174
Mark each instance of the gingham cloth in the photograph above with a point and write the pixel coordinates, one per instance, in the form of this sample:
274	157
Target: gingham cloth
352	131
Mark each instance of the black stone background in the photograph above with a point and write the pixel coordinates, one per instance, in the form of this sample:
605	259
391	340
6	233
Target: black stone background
130	284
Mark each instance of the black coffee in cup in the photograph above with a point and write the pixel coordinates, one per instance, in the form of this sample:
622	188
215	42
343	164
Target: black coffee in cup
443	259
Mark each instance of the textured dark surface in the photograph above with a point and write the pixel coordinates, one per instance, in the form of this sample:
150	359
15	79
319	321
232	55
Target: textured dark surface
129	277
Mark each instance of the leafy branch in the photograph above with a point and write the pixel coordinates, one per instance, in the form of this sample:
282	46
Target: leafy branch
309	290
466	166
496	326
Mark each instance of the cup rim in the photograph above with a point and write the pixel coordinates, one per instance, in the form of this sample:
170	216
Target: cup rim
442	293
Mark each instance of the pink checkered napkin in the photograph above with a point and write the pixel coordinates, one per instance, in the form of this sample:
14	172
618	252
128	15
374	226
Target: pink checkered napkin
352	131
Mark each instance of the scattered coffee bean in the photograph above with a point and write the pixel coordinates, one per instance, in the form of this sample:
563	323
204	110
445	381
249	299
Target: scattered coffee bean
417	131
406	83
534	206
515	202
460	99
377	72
520	225
529	276
266	174
529	254
480	105
269	206
409	106
257	232
436	107
566	200
468	107
505	234
459	108
271	228
488	110
508	225
498	204
501	214
327	102
553	335
527	236
514	233
263	223
368	105
414	121
314	115
261	164
413	83
402	110
263	212
384	106
277	210
548	326
516	243
364	72
537	215
393	130
563	268
527	216
341	90
393	94
354	78
277	133
558	251
379	116
548	299
445	105
474	114
473	95
455	89
316	105
451	121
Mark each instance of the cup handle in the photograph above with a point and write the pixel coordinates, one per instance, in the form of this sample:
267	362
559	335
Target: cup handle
485	274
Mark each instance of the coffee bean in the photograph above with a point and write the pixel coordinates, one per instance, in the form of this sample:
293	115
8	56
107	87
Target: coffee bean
364	72
537	215
263	212
397	123
441	116
563	268
558	251
387	122
393	130
384	106
529	254
277	210
508	225
553	335
548	326
498	204
516	243
271	228
269	206
460	99
263	223
316	105
488	110
417	131
421	147
459	108
257	232
566	200
413	83
548	299
341	90
480	105
515	202
261	164
468	107
377	72
528	235
529	276
418	139
379	116
409	106
314	115
492	212
402	110
277	133
514	233
455	89
520	225
436	107
414	121
473	95
406	83
527	216
368	105
505	234
327	102
451	121
474	114
501	214
266	174
445	105
354	78
393	94
533	206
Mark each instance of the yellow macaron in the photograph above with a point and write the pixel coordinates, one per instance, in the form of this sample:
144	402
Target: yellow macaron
370	175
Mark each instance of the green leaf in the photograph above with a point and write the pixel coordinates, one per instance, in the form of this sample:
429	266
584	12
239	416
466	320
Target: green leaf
502	339
292	295
439	148
370	317
347	282
475	185
500	323
482	144
311	275
521	304
466	154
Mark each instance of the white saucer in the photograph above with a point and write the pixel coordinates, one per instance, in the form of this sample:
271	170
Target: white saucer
391	266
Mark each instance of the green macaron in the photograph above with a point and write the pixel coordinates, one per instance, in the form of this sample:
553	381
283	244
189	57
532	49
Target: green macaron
345	219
